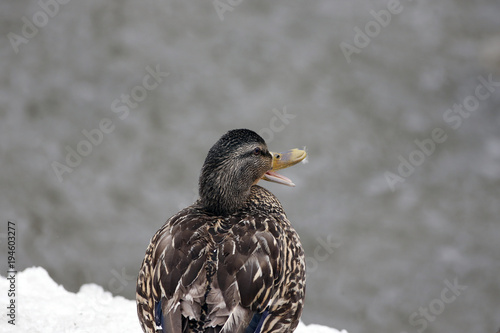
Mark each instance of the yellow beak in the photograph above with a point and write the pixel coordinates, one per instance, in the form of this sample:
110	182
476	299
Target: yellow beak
281	161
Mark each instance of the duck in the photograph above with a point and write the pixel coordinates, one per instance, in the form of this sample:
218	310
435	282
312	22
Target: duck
230	262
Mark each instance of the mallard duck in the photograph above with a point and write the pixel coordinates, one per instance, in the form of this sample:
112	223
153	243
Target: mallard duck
230	262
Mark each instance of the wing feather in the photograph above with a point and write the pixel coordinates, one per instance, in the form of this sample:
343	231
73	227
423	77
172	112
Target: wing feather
218	273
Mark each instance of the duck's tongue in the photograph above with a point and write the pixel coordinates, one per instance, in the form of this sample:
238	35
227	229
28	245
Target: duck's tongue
277	178
281	161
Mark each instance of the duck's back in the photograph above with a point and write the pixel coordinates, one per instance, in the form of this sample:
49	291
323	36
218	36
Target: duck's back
239	273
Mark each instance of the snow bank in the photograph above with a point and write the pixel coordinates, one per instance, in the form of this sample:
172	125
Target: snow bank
44	306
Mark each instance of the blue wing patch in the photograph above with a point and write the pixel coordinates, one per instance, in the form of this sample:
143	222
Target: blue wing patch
255	325
158	315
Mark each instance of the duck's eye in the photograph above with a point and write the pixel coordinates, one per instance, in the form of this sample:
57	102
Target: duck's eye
257	151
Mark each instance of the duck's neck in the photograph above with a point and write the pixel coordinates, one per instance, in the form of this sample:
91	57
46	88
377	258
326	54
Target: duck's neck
221	192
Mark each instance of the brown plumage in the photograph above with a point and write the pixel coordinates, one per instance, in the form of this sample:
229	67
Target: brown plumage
231	262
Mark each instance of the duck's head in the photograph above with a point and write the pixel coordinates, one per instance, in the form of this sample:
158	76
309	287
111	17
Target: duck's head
236	162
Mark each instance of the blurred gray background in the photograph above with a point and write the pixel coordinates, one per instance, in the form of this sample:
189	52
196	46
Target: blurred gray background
382	256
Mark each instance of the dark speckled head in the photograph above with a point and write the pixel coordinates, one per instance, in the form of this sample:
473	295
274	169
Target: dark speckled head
235	162
236	138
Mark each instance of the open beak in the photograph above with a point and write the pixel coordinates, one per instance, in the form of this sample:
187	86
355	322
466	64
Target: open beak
281	161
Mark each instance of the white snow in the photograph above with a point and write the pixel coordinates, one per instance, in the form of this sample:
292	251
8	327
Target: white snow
44	306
